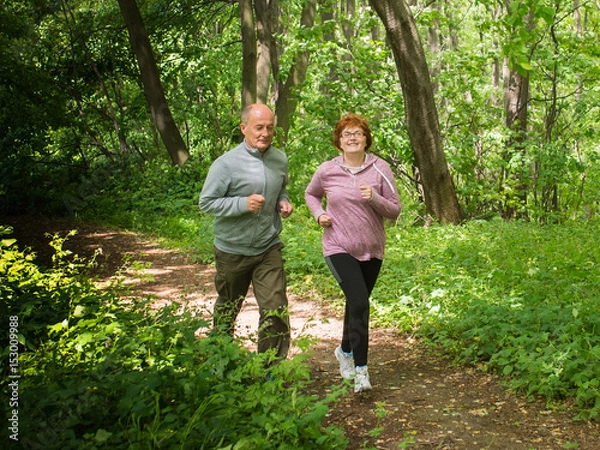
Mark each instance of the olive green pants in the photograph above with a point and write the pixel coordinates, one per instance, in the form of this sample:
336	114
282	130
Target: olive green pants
266	273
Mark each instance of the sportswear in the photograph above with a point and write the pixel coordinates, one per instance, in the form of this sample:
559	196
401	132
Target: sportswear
232	178
357	225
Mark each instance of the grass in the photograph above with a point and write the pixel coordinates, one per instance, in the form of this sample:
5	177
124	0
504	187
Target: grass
516	298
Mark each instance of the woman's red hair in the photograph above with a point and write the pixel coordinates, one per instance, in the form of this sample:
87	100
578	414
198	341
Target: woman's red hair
351	121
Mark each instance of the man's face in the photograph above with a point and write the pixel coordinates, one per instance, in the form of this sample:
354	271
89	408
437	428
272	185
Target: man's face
260	128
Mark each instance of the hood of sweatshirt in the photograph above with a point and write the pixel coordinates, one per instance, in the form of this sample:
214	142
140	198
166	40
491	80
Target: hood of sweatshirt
370	160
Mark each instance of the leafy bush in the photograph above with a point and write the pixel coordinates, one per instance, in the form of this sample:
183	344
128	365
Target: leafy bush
112	374
153	198
515	298
39	297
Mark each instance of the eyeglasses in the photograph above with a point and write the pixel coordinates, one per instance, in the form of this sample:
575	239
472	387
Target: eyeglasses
347	134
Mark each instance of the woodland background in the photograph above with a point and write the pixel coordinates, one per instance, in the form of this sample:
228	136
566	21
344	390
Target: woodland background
488	112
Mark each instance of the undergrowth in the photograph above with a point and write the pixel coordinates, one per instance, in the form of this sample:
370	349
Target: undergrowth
97	372
516	298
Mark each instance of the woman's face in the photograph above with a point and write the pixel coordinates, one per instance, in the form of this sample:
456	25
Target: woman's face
353	140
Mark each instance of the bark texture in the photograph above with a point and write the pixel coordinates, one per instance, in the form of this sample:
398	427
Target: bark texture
249	53
153	89
265	16
286	100
421	113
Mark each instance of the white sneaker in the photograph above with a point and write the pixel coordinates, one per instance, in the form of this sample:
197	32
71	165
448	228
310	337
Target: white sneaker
346	363
361	380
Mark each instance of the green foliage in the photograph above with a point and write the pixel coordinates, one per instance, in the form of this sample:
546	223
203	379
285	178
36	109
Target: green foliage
39	297
515	298
555	171
77	138
115	374
79	114
151	197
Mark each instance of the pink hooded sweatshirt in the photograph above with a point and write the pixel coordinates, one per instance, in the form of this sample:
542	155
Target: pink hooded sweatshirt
357	225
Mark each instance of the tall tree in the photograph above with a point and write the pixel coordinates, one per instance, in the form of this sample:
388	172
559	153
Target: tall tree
153	89
421	113
265	15
286	99
249	53
516	97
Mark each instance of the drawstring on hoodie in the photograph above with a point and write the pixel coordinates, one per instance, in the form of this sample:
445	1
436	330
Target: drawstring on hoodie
359	169
385	178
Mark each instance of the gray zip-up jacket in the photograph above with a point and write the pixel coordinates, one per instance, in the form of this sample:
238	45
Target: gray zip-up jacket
232	178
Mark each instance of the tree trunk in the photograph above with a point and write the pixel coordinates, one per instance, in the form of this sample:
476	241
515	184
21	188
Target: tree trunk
286	100
516	98
433	41
329	14
264	19
421	113
249	57
153	89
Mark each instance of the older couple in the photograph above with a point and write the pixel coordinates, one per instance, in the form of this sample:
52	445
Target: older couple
246	192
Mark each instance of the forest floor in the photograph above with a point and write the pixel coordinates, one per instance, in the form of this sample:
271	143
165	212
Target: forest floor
419	400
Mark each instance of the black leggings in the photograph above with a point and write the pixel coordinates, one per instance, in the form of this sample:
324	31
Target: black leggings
357	279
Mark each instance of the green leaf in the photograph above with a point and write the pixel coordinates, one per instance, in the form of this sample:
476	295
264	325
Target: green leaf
79	311
7	242
85	338
58	326
546	13
102	435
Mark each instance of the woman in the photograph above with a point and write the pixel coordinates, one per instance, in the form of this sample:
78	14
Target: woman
360	193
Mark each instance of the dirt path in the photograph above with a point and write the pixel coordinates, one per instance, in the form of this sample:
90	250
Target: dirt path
419	400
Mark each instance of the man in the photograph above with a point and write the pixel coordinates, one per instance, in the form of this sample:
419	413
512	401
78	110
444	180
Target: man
246	192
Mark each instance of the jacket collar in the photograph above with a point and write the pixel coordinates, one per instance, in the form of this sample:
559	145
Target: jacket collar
253	150
369	161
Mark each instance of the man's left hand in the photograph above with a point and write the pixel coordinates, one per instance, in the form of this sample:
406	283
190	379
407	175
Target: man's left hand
285	209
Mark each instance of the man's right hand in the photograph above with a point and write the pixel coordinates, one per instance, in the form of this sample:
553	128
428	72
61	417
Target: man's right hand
255	202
